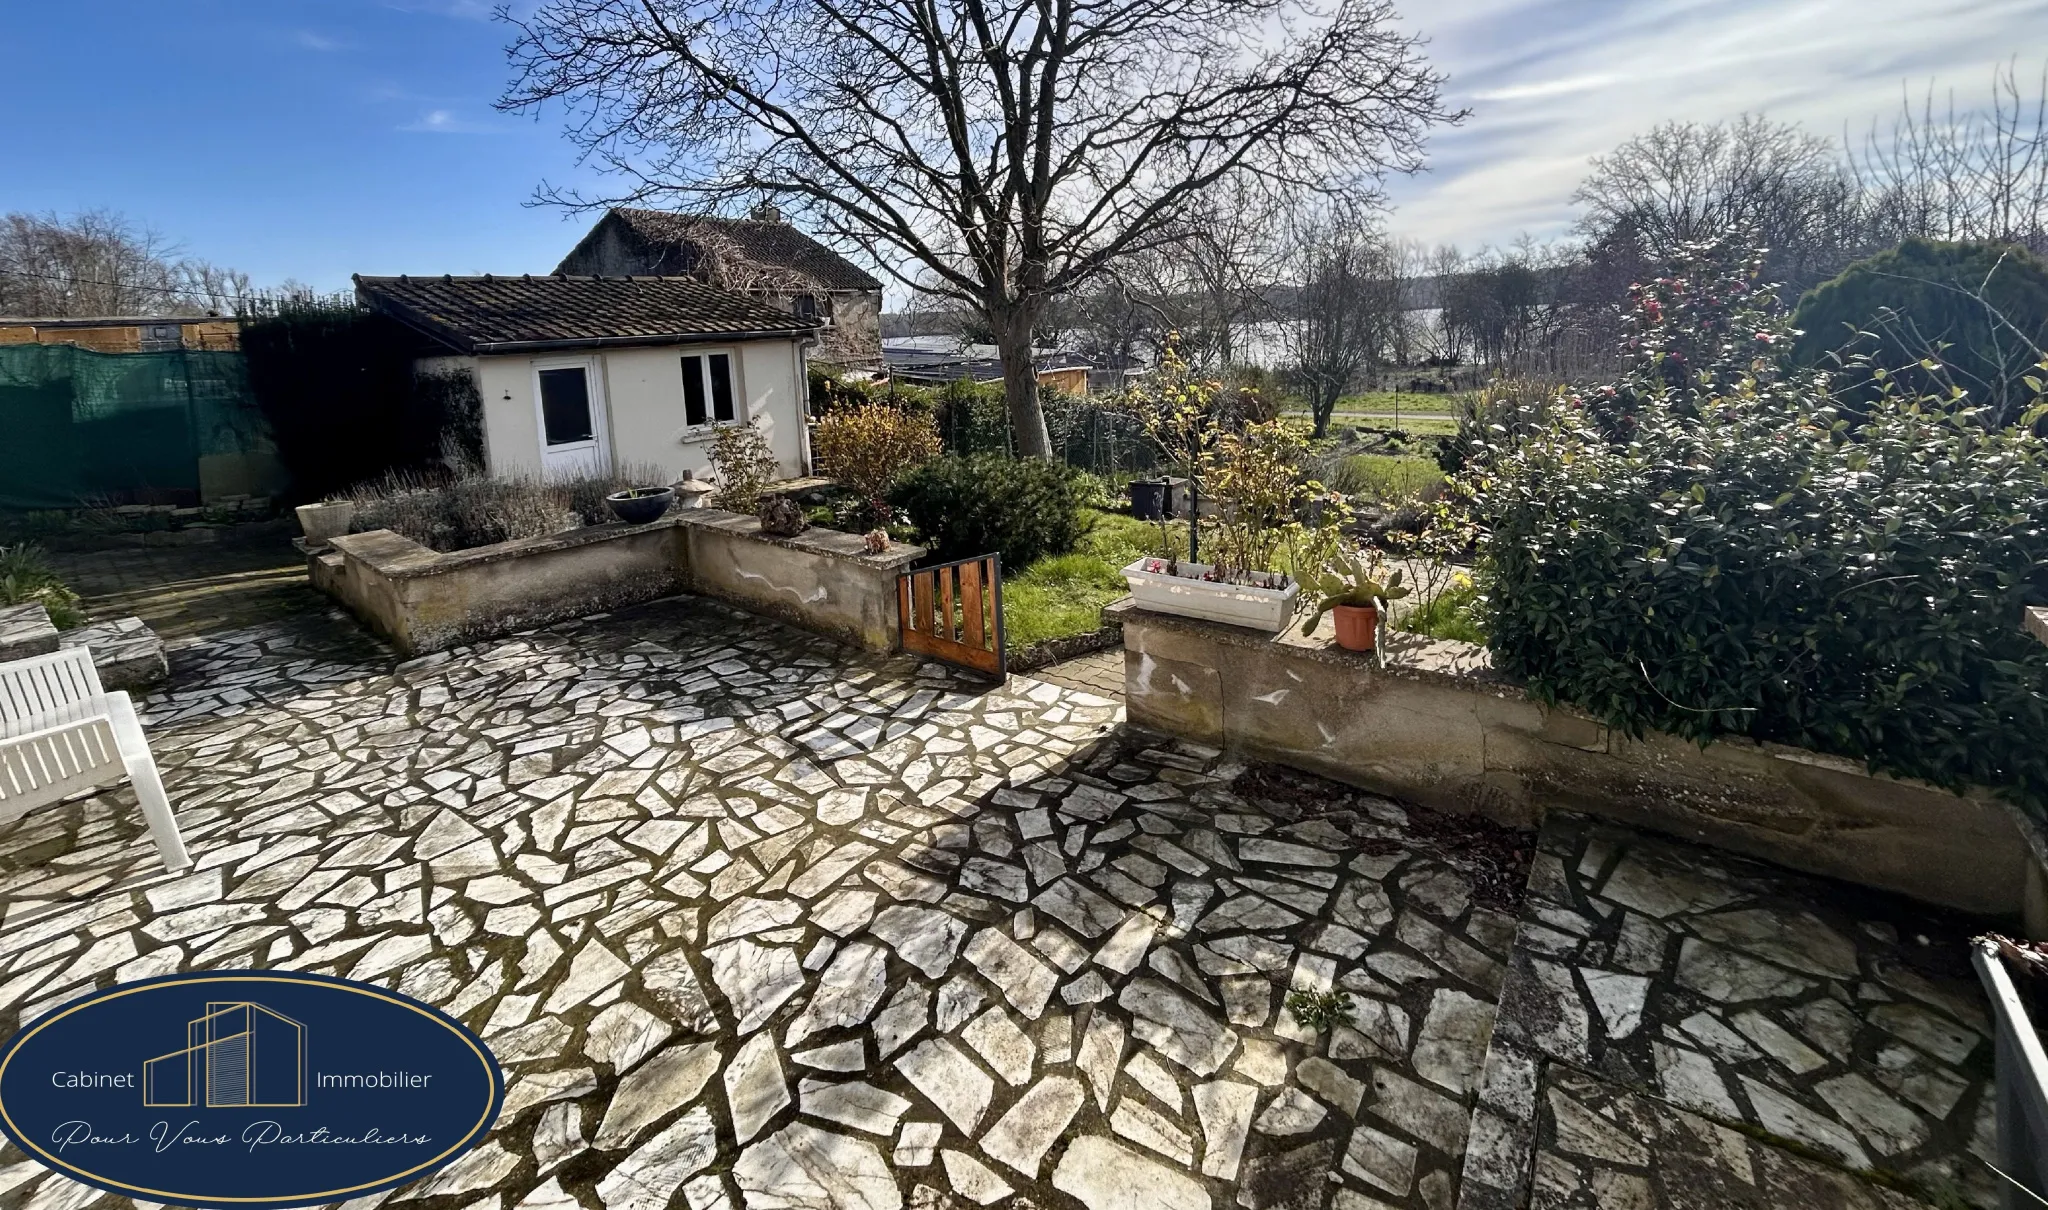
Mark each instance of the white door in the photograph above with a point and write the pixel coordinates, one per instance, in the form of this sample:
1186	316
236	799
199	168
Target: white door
569	396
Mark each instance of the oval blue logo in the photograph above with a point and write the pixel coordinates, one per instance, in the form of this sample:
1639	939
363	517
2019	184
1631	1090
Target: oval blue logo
247	1088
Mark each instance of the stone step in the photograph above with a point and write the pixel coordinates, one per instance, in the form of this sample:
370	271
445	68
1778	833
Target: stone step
1682	1027
127	653
26	630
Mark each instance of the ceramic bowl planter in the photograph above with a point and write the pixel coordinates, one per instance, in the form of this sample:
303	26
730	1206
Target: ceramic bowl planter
1265	604
1358	626
639	505
323	523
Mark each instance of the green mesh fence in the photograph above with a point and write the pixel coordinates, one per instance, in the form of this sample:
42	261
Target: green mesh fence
79	427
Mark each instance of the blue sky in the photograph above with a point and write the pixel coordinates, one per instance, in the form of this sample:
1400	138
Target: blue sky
289	138
314	138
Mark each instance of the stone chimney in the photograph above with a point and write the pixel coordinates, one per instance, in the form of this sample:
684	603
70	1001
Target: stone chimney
766	212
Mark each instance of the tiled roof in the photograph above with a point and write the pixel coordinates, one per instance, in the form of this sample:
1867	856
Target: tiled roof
775	244
504	314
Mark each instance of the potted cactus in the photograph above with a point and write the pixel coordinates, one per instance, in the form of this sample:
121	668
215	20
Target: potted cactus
1350	588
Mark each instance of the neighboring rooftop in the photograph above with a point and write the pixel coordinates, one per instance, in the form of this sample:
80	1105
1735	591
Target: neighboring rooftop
940	359
510	314
671	239
109	321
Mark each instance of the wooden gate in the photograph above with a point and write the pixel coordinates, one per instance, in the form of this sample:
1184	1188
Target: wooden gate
954	613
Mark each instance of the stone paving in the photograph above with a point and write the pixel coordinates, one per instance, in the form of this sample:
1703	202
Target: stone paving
755	922
252	576
1101	673
1660	993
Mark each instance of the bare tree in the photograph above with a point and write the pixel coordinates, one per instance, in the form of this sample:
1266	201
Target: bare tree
1977	174
215	289
1684	182
1001	152
94	263
1344	302
99	263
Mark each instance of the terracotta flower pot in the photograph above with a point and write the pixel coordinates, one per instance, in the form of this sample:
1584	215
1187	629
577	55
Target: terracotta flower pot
1358	626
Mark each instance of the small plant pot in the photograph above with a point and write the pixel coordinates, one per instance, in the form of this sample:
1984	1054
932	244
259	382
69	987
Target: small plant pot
639	505
323	523
1358	626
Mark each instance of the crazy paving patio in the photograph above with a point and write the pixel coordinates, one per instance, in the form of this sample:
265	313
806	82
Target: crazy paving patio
755	921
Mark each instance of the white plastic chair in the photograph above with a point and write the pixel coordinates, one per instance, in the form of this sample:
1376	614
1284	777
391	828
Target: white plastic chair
62	734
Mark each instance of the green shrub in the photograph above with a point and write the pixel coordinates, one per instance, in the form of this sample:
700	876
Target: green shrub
1968	316
1022	508
1739	559
26	575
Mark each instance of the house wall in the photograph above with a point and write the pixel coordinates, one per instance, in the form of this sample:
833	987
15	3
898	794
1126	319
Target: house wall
643	397
853	338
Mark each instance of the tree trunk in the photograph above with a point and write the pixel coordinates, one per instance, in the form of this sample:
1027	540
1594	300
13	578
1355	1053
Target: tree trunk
1020	381
1322	402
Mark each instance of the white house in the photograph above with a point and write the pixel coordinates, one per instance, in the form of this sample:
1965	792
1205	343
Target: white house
589	373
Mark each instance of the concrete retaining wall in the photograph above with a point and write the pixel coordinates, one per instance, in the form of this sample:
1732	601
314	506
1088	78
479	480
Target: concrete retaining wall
1438	726
422	600
820	579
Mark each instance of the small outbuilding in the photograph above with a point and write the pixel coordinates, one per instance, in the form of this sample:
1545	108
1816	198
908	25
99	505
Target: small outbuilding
583	374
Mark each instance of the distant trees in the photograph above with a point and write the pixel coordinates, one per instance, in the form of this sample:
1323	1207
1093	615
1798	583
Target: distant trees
100	263
999	153
1683	183
1974	174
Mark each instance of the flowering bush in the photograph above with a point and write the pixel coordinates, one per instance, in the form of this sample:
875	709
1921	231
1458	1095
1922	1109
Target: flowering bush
1709	547
868	446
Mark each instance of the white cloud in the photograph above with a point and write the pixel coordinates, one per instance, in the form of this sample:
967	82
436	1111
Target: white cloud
1552	83
317	41
446	121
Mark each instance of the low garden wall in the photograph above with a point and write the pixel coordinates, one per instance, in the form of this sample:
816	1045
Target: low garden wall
821	579
1439	726
423	600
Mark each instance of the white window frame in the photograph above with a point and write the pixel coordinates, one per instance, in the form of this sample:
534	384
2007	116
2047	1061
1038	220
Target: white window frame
741	412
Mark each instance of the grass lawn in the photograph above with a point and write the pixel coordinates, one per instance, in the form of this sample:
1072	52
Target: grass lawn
1063	595
1388	401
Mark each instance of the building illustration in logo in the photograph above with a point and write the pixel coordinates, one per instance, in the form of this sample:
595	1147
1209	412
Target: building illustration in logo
240	1054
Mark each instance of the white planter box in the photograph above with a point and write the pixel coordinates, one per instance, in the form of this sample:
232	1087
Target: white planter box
1267	609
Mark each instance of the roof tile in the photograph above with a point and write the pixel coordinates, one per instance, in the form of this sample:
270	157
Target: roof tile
473	313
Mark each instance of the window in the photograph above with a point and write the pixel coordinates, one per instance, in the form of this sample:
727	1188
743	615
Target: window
565	406
805	306
707	390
